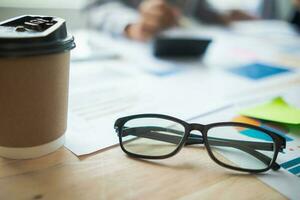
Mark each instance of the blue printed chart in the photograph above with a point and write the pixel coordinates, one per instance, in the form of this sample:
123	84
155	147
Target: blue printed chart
292	166
290	158
257	71
287	179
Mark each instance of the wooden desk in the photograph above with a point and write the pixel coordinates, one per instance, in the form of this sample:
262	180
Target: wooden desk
110	174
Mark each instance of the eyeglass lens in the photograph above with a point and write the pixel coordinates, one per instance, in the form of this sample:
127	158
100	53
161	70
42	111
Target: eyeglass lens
151	136
241	147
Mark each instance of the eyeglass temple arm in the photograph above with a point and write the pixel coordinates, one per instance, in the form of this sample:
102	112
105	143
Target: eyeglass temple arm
249	147
198	139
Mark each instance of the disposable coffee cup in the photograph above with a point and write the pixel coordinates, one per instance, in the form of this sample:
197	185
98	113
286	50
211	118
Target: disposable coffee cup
34	78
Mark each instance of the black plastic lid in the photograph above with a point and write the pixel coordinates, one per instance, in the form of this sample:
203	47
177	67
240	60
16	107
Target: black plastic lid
34	35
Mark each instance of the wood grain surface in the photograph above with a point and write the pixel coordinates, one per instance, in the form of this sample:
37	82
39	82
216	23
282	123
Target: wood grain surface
110	174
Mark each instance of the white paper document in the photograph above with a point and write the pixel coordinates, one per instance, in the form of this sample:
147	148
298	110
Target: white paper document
99	94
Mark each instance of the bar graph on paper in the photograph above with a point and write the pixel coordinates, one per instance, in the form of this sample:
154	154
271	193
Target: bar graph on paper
289	160
293	166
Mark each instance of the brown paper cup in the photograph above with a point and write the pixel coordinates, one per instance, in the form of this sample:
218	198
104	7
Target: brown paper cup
33	104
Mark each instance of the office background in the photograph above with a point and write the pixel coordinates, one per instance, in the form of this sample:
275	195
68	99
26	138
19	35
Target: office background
72	10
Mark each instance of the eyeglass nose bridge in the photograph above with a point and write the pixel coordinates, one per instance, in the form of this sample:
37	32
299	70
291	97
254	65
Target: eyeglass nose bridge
195	138
197	127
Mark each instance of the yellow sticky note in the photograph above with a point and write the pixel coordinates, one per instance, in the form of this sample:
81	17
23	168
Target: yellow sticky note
277	110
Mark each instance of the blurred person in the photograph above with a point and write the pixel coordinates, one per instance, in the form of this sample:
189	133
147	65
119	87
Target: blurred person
270	9
296	17
142	19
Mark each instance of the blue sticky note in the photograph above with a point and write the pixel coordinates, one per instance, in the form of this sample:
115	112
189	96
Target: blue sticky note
256	71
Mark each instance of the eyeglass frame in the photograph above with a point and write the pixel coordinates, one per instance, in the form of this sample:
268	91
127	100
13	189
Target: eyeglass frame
280	141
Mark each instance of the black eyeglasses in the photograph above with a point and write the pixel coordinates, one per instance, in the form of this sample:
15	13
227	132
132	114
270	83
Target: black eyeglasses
234	145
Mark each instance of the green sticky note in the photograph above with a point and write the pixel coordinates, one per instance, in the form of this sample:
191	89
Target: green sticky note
277	110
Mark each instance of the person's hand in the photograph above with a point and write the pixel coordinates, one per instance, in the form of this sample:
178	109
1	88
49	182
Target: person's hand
297	4
237	15
156	15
